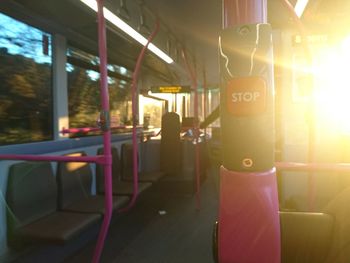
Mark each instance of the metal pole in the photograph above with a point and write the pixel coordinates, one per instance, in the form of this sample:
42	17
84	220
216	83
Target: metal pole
242	12
248	229
205	98
105	119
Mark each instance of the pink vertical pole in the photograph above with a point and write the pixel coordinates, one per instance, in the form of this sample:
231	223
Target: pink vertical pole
241	12
248	228
205	93
102	42
197	153
135	77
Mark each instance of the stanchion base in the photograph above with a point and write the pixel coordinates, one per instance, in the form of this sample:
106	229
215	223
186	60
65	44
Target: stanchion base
249	229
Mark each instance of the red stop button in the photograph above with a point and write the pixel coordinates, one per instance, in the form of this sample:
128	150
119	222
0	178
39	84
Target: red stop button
246	96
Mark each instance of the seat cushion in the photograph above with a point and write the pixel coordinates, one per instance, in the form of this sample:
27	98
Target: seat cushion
338	207
58	227
95	204
306	237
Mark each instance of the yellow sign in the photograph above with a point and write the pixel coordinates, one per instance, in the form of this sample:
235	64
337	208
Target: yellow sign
171	89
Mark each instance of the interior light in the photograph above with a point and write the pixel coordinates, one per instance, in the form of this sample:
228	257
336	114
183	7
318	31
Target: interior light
300	7
115	20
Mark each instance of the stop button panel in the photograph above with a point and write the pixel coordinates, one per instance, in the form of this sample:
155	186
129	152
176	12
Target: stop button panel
246	96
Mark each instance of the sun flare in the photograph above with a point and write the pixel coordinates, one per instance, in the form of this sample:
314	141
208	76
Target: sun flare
332	87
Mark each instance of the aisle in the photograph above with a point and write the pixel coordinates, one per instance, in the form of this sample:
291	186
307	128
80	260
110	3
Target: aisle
164	227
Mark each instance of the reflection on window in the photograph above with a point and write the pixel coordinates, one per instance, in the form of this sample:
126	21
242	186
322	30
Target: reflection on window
25	83
81	57
84	91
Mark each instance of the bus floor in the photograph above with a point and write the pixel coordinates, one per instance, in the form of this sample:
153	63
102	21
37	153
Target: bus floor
163	227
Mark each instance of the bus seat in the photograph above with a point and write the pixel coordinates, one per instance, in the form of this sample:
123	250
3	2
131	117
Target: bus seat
338	207
74	181
119	187
305	237
127	167
32	215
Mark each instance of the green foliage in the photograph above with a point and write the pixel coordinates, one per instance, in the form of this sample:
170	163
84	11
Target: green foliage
84	100
25	99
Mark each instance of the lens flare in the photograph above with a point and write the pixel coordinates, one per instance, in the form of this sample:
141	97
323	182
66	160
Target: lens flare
332	87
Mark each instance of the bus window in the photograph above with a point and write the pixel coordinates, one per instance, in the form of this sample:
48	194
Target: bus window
25	83
84	92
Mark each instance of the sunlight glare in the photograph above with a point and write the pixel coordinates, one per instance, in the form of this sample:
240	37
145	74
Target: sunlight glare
332	87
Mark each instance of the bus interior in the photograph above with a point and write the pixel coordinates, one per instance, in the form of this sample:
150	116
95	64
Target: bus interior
146	176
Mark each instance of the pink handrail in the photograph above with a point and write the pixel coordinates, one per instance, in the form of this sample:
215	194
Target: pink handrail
94	129
135	76
193	77
249	227
205	92
243	12
102	45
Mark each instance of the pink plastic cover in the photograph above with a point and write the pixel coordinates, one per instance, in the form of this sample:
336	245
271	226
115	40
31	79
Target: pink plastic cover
249	229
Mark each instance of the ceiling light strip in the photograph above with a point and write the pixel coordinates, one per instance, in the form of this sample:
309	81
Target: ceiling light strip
300	7
115	20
